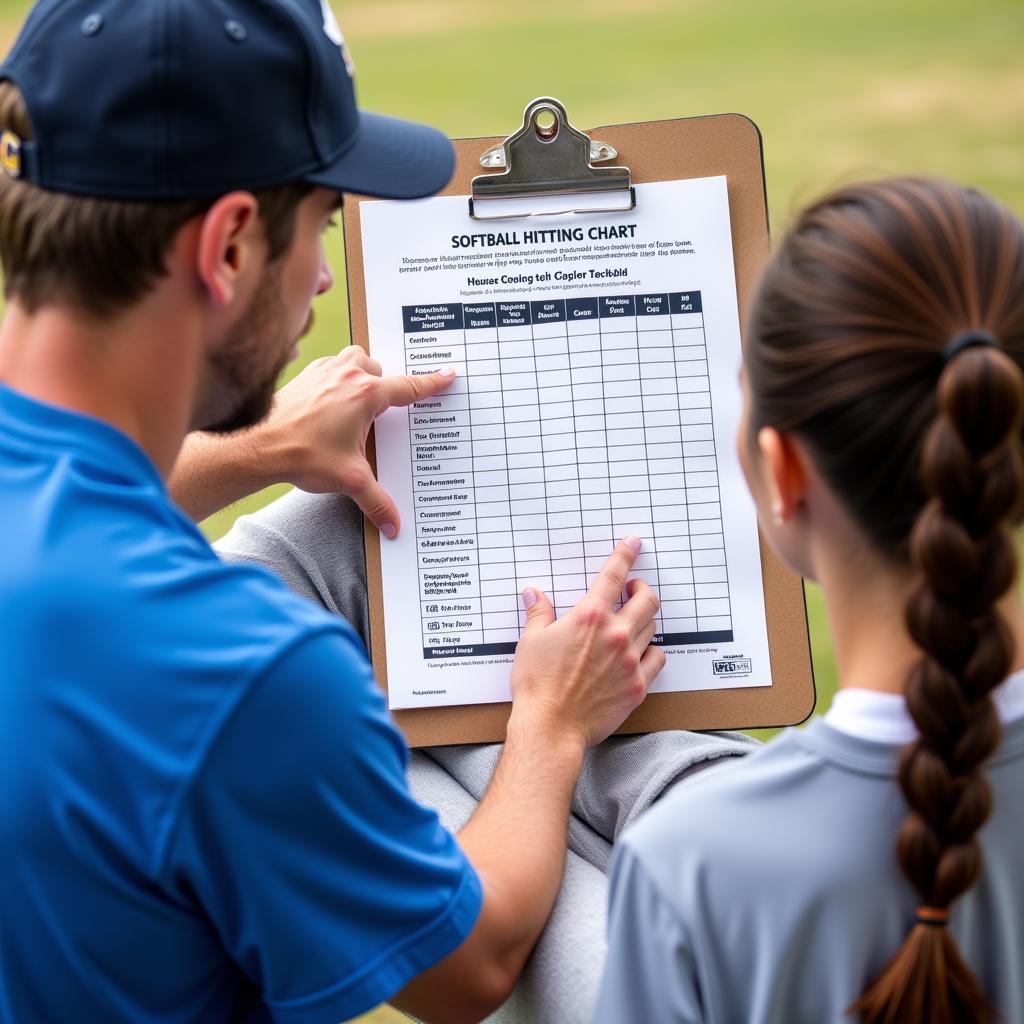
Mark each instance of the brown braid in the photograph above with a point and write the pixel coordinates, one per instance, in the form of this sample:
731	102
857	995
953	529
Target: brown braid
962	547
845	350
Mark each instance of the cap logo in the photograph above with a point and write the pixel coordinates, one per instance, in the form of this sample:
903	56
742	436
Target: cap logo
333	32
10	153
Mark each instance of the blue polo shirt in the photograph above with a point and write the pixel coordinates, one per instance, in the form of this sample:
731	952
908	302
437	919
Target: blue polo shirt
204	813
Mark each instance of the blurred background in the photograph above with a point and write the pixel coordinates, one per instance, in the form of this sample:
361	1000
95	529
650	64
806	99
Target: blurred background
841	91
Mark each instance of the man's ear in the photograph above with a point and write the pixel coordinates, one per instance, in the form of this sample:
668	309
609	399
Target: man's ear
784	470
229	240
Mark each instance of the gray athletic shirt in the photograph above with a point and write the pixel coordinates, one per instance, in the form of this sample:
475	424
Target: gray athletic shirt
767	891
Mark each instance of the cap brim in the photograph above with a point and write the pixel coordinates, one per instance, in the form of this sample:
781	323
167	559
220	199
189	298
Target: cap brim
391	159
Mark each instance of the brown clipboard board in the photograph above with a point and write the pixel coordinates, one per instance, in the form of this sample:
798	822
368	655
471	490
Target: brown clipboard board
694	147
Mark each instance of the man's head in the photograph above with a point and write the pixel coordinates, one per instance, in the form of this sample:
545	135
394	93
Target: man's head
124	125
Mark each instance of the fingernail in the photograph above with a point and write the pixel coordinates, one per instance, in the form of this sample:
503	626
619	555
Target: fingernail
633	542
529	598
446	372
389	531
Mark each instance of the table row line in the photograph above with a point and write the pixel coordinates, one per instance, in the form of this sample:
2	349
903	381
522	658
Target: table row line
583	380
684	633
489	530
558	355
523	359
510	390
513	602
652	442
571	408
623	506
507	547
466	518
606	406
664	345
465	419
669	504
681	551
520	484
541	562
662	522
669	610
456	582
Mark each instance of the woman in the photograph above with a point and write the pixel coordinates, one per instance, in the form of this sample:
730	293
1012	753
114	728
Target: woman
868	867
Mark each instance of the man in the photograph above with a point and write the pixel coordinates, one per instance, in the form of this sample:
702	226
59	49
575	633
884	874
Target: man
205	815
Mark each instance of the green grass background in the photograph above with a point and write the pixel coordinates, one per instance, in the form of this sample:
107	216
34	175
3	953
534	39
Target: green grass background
840	90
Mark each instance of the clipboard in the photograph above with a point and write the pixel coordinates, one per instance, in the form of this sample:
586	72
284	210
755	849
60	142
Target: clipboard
547	156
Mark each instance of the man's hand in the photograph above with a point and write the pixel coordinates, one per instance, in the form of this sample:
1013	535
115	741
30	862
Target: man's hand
573	682
321	419
585	672
314	437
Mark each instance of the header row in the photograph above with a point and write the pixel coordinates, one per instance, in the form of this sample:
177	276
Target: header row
459	316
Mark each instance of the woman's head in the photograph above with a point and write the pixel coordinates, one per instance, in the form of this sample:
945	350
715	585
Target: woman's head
853	314
886	341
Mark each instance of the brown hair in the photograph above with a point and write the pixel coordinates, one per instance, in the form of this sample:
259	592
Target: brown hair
846	351
100	255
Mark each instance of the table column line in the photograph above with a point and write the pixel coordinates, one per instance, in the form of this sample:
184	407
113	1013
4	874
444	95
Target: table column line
682	454
718	475
576	449
647	460
604	416
540	440
504	442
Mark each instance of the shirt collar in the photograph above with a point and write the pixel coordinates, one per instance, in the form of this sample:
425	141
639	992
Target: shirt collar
883	717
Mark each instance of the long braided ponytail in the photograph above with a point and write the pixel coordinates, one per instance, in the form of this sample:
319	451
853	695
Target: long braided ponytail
889	334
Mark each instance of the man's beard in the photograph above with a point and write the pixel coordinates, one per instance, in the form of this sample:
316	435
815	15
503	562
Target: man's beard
238	366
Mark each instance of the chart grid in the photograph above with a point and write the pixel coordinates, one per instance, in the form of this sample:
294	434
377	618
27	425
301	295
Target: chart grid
572	422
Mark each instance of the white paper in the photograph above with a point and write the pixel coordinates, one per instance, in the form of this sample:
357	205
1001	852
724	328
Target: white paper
597	396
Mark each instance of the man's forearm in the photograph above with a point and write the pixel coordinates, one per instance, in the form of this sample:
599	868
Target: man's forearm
516	842
213	471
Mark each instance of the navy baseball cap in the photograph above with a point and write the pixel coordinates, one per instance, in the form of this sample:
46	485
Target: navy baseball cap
179	99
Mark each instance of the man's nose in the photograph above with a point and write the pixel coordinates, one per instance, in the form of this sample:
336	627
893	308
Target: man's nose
326	278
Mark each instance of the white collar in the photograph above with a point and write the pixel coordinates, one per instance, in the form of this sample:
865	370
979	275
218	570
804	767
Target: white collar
883	717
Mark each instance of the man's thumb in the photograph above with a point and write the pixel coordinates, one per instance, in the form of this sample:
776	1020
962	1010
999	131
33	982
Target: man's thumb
539	611
376	505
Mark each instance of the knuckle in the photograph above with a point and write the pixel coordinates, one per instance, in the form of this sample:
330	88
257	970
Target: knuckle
591	616
365	385
618	639
631	662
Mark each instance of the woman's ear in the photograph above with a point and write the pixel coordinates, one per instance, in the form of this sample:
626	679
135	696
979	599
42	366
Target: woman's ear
229	241
784	472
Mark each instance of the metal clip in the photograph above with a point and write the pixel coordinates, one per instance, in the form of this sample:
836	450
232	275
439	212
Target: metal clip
548	156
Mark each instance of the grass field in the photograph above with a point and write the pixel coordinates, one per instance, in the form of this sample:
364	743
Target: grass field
841	91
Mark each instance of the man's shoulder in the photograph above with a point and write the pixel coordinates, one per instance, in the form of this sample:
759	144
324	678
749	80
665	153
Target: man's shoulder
126	634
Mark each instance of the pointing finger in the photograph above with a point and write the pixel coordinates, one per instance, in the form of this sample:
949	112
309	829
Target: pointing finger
406	390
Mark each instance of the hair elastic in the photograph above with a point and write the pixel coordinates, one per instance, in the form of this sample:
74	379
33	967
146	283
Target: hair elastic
967	339
937	916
